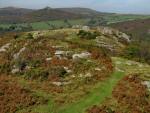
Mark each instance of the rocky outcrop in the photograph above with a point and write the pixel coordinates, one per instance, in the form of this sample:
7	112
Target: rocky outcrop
110	31
112	39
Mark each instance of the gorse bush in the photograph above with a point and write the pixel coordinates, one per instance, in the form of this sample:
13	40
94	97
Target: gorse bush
87	34
30	36
57	71
138	51
37	73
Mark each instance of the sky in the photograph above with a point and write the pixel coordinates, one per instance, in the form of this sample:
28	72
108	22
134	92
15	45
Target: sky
116	6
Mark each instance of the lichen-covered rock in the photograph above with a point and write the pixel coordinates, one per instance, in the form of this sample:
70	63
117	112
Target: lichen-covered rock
81	55
14	71
86	28
16	56
5	47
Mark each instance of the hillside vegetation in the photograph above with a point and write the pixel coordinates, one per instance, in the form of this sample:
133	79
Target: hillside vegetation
139	49
19	19
70	71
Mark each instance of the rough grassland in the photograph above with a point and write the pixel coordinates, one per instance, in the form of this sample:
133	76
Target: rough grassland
96	96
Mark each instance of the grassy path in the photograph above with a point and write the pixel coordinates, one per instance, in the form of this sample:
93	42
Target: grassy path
96	96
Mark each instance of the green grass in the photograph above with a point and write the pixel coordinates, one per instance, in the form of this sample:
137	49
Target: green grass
104	89
97	95
40	25
48	24
121	18
47	108
114	18
134	67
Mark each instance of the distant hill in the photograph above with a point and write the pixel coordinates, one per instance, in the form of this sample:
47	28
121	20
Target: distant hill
51	14
13	14
14	11
83	11
19	15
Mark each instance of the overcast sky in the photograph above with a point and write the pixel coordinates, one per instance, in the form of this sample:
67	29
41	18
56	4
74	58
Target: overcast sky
118	6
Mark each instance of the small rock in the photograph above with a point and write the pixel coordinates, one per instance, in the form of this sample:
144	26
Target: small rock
14	71
117	69
82	55
5	47
98	69
86	28
129	63
67	70
85	75
16	56
147	83
118	62
57	83
48	59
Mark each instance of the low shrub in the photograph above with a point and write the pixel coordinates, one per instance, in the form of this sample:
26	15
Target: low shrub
38	73
88	35
57	71
29	36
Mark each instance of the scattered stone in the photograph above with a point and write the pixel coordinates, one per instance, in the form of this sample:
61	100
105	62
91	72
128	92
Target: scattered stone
67	83
59	52
82	55
77	26
125	37
57	83
73	76
128	63
37	34
98	69
48	59
14	71
57	47
87	75
147	83
5	47
117	69
86	28
118	62
16	56
67	70
61	83
140	65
